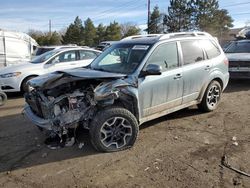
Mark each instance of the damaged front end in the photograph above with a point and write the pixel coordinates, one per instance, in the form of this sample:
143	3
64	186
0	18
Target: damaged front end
63	102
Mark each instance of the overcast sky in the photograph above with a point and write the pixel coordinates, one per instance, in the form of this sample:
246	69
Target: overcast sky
22	15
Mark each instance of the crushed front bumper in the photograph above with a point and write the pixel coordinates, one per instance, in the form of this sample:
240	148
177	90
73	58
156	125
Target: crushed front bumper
40	122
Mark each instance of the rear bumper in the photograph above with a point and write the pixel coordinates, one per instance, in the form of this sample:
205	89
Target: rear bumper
226	80
40	122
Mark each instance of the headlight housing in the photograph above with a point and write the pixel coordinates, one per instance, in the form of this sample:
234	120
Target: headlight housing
8	75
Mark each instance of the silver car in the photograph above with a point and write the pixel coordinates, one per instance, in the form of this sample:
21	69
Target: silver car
136	80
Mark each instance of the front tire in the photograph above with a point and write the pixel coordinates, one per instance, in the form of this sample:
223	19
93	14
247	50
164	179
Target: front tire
3	98
24	87
211	97
113	129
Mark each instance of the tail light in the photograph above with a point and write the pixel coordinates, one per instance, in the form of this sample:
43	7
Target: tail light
226	62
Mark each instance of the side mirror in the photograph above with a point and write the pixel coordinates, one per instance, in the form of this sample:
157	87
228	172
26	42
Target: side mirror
152	69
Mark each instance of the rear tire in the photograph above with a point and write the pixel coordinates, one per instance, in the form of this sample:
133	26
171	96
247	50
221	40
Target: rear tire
113	129
211	97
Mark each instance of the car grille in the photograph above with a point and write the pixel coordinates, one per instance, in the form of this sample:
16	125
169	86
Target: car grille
239	63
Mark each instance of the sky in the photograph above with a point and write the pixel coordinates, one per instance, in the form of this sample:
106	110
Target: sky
23	15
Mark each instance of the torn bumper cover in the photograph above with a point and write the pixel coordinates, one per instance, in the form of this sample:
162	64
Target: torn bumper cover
40	122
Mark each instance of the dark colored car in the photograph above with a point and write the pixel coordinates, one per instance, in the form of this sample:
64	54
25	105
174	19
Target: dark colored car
238	54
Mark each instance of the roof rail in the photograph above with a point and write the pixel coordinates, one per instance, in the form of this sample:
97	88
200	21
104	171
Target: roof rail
142	36
184	34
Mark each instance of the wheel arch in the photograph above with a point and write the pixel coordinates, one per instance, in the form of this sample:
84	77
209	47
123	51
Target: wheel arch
24	79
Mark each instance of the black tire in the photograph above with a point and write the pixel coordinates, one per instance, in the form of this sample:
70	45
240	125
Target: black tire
3	98
114	119
24	86
211	97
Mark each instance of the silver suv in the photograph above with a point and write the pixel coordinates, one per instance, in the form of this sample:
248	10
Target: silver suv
135	80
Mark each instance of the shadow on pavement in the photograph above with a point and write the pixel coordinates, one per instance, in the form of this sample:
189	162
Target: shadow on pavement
236	85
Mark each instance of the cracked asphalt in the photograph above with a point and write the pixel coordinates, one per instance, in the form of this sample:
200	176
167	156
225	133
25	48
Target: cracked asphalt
183	149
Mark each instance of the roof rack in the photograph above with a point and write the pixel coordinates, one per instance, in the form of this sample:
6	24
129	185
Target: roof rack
170	35
185	34
142	36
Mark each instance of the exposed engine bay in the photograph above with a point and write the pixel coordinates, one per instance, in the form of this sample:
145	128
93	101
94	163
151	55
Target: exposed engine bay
73	104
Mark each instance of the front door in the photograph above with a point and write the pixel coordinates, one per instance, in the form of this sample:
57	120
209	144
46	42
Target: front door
161	92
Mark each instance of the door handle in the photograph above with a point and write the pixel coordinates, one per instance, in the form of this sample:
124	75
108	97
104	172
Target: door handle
177	76
207	68
72	63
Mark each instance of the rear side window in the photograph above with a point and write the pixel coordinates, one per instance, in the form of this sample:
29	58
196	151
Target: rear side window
191	51
165	55
210	48
84	55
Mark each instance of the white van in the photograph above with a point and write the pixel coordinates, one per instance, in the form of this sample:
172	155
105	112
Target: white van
15	48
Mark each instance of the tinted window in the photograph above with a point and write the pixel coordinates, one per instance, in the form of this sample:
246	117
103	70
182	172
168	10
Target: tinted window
191	52
87	55
239	47
165	55
210	48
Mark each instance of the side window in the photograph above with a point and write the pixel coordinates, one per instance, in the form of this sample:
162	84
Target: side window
64	57
165	55
191	51
210	48
85	55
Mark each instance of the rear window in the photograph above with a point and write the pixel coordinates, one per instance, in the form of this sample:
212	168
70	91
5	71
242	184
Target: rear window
191	51
211	49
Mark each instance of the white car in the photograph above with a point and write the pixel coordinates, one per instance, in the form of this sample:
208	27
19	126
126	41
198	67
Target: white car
14	78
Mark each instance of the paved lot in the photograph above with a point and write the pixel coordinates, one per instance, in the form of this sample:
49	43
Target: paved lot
183	149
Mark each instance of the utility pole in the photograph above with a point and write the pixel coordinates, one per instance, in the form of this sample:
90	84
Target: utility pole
50	27
148	14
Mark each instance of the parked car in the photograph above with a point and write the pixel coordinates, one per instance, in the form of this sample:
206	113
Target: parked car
15	78
42	49
105	44
238	54
135	80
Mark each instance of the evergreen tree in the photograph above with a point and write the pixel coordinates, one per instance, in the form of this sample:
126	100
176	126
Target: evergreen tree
113	32
89	33
74	33
100	33
154	21
179	16
128	29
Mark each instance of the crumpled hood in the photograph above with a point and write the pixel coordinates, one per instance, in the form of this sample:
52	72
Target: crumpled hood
238	56
57	78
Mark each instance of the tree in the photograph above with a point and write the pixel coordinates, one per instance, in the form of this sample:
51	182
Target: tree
128	29
179	16
209	18
45	38
100	33
154	21
89	33
113	32
74	33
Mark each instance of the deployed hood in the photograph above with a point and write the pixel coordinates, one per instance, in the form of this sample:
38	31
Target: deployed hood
55	79
238	56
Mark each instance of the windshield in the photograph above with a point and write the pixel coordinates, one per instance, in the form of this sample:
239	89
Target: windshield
43	57
120	58
41	51
239	47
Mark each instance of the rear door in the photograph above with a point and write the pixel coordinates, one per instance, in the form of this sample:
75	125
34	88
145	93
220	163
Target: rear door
86	57
196	69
